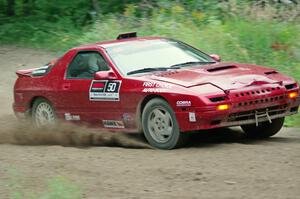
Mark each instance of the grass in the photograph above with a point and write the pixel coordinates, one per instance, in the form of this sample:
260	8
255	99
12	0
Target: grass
263	42
56	188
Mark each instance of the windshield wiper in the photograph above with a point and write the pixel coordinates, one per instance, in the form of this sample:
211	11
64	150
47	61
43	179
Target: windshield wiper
191	63
145	70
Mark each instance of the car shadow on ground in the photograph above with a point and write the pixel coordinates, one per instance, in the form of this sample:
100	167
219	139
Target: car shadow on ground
210	138
232	135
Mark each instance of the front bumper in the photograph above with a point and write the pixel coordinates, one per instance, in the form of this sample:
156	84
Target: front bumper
207	118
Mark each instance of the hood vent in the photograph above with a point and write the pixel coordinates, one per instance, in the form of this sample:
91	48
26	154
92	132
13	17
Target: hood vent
220	68
271	72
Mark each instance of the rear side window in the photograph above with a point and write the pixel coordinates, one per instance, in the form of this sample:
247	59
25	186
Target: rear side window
85	64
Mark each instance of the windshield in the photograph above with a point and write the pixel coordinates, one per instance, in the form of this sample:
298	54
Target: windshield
156	54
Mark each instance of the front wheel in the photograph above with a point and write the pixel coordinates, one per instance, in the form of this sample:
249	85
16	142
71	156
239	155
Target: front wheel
264	129
43	113
160	125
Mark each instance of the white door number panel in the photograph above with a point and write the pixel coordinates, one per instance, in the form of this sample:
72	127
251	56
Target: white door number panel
105	90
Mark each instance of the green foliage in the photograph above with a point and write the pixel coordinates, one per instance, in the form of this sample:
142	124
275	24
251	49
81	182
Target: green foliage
292	121
59	187
54	10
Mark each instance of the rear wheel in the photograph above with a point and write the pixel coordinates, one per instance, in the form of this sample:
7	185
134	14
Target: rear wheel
43	114
160	125
264	129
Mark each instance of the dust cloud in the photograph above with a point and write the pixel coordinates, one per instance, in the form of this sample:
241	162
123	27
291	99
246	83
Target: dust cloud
16	132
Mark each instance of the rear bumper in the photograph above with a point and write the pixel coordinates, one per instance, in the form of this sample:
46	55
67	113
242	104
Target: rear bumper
209	119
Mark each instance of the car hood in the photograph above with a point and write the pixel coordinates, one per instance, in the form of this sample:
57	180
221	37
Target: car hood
226	76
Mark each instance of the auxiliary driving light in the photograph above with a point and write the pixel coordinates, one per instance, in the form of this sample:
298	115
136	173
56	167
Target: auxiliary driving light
222	107
293	95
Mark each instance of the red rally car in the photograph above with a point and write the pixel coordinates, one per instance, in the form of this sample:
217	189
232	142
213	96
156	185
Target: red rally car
159	86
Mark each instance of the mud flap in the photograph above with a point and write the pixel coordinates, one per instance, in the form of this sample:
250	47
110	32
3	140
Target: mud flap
262	115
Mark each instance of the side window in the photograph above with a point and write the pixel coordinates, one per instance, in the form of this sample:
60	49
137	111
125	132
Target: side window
85	64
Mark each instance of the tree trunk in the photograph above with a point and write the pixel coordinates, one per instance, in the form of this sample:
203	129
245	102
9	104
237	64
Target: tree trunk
10	8
95	6
1	7
26	7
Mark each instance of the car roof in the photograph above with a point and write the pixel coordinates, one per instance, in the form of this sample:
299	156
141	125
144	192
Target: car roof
106	44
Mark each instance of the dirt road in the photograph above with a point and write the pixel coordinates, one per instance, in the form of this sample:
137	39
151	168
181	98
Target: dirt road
220	164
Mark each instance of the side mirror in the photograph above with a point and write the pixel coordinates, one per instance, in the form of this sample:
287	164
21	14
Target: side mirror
109	75
215	57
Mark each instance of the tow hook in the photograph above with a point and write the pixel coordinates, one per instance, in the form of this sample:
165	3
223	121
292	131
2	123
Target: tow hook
262	115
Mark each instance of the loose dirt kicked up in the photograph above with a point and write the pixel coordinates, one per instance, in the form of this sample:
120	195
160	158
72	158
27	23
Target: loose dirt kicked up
216	164
22	133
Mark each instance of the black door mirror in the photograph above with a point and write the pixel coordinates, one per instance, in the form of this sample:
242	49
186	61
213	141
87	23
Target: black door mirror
216	57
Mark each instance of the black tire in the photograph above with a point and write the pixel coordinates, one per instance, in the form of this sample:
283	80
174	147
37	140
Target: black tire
49	113
160	126
264	129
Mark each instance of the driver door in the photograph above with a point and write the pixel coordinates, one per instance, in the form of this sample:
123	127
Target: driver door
82	94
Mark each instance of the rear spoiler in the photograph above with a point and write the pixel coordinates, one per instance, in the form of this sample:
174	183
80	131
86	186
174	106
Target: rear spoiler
25	73
33	72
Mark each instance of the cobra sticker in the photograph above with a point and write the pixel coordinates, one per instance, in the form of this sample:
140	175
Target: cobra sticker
183	103
105	90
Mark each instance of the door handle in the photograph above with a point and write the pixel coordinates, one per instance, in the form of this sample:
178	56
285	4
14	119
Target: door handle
66	86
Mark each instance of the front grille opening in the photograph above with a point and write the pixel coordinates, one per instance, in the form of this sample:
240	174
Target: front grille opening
271	72
250	115
217	99
215	122
258	101
294	109
290	86
256	92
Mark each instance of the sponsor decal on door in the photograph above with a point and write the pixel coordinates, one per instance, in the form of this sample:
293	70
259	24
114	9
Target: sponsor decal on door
70	117
105	90
113	124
